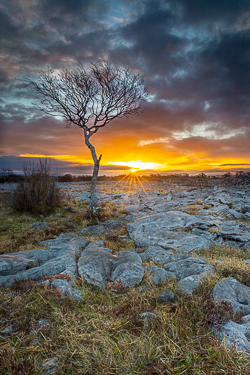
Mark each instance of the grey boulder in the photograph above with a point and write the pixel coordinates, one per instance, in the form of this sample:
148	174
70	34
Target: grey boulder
238	232
189	267
130	274
235	336
166	296
99	267
157	254
36	264
172	220
158	275
66	288
11	264
114	224
189	284
231	290
178	241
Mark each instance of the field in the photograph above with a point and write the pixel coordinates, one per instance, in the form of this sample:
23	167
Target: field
42	332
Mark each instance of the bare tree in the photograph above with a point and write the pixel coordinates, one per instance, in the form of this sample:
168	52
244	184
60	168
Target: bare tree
90	98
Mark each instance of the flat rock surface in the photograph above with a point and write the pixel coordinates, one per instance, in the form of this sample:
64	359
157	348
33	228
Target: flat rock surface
188	267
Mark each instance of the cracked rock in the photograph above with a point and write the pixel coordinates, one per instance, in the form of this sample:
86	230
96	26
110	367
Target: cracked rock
99	267
189	267
190	283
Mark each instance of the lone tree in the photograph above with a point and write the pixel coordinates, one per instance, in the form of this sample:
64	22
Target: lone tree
90	98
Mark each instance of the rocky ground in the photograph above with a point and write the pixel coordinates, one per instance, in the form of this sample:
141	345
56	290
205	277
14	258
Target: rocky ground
170	226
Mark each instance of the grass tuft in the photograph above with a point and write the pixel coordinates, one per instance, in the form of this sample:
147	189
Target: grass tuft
192	209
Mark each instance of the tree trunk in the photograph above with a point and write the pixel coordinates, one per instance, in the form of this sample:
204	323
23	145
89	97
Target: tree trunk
93	195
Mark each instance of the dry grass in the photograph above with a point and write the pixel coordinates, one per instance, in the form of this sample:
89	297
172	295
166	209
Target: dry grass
16	233
192	209
206	207
102	333
38	192
107	211
228	261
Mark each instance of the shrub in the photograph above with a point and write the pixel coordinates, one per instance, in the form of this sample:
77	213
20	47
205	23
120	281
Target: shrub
38	192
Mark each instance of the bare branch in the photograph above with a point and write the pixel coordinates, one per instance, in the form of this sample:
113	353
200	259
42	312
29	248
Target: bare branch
90	98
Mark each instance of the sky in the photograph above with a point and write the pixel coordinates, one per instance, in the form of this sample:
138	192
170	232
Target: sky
194	56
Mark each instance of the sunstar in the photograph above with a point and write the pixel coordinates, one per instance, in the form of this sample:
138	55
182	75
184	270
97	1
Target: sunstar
138	165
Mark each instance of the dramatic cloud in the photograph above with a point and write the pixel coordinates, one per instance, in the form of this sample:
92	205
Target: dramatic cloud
195	57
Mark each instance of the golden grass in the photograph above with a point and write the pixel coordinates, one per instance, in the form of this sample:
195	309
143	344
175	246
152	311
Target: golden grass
228	261
102	333
16	233
192	209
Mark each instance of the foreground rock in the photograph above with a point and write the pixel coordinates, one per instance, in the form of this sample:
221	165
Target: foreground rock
166	296
66	288
99	267
158	275
190	283
235	335
60	258
188	267
238	234
189	271
231	290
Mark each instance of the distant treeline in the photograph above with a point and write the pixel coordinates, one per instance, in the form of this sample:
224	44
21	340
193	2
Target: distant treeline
7	175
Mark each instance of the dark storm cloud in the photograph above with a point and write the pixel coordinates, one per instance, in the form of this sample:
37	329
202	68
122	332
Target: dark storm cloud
195	57
186	67
211	11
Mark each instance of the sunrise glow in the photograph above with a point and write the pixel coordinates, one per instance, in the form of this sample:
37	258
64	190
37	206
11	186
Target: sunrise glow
138	165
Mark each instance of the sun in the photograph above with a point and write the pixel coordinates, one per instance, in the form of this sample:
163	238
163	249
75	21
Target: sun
136	165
